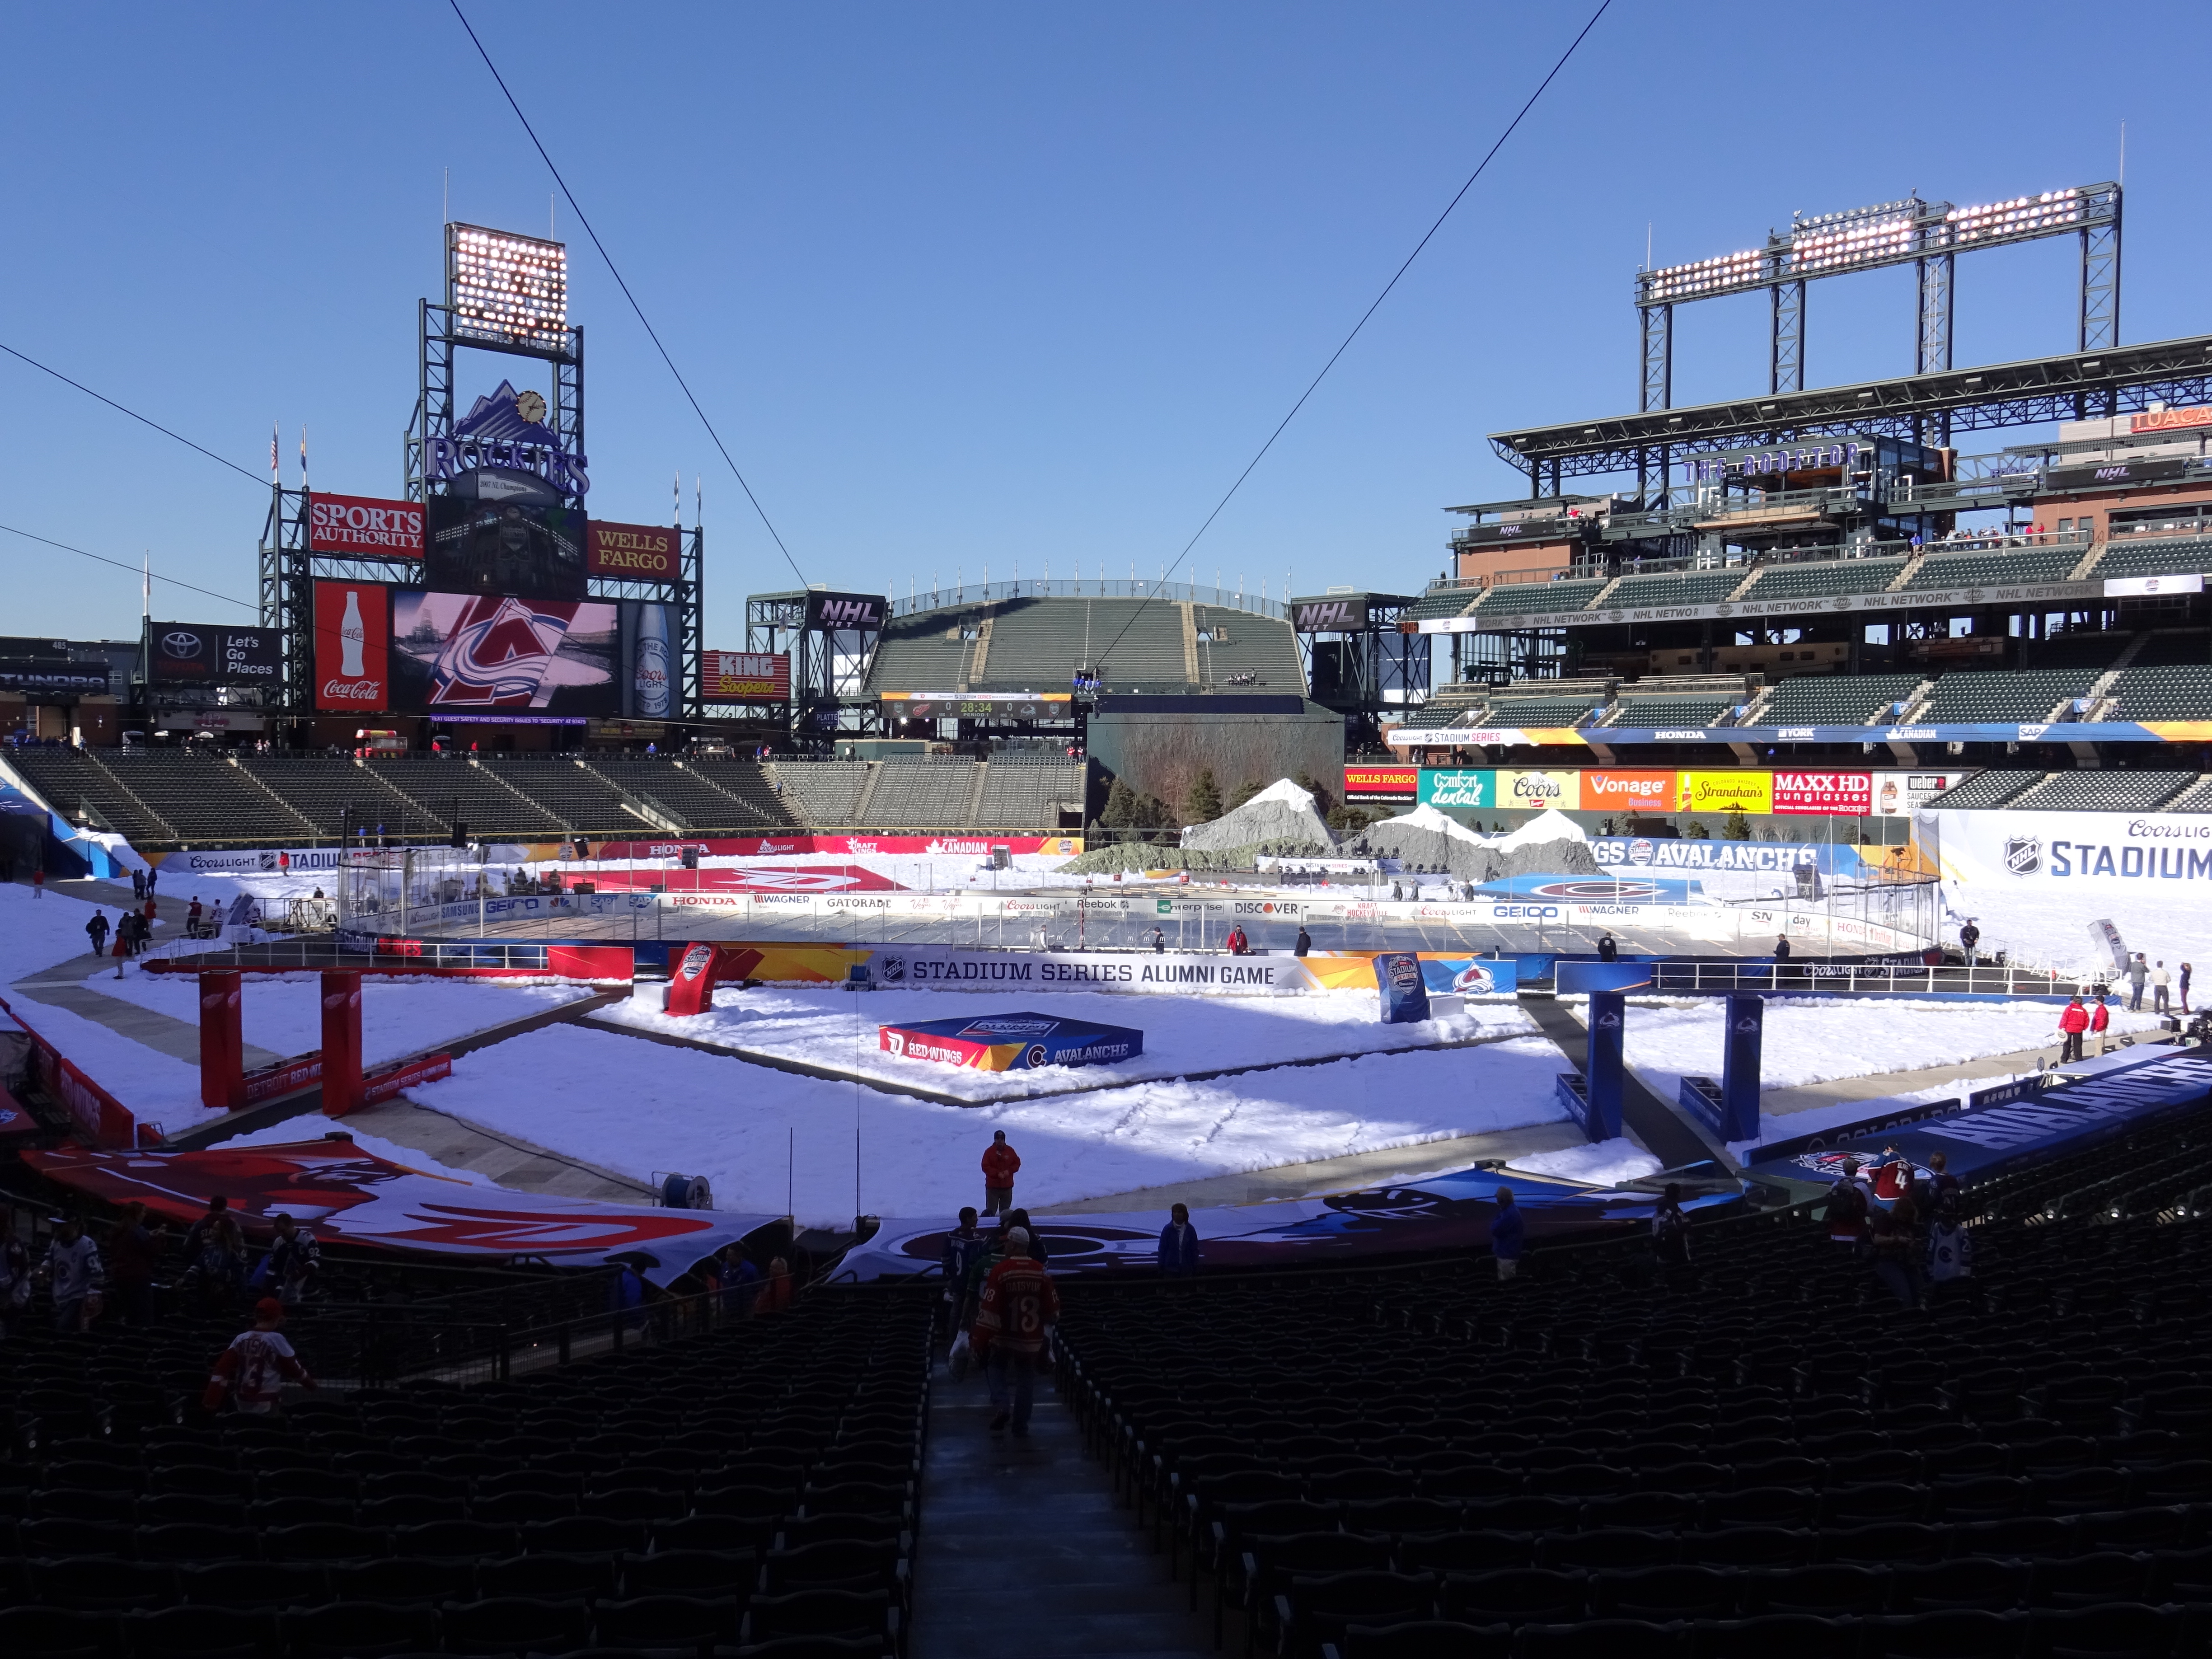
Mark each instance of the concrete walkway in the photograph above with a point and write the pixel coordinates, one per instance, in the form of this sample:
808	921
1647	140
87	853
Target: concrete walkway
1023	1552
504	1158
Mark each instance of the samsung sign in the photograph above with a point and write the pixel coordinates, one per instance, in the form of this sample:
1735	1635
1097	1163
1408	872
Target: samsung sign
195	653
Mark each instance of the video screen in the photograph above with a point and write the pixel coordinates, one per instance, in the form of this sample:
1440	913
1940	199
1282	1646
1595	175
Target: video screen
524	548
451	652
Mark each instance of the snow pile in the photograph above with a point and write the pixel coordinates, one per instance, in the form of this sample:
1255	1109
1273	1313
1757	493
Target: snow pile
636	1108
1606	1163
1549	844
41	932
837	1029
1280	812
313	1125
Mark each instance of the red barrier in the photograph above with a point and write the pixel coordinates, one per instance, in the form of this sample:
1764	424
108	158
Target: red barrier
285	1077
100	1117
342	1079
222	1042
593	961
382	1085
691	987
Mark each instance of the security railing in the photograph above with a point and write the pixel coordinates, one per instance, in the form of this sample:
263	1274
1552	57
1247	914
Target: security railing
937	597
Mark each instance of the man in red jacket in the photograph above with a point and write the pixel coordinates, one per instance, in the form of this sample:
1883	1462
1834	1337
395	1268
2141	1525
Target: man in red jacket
2100	1024
2073	1020
1000	1161
1013	1319
253	1369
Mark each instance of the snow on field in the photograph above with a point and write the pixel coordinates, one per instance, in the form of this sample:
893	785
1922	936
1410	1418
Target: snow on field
397	1017
836	1028
641	1109
2052	929
40	933
1817	1039
313	1126
156	1088
1602	1164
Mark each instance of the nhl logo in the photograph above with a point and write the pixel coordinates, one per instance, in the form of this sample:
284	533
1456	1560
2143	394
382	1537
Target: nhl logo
894	971
2023	854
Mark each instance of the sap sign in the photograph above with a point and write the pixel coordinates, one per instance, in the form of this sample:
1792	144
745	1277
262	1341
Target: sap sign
2101	851
1475	790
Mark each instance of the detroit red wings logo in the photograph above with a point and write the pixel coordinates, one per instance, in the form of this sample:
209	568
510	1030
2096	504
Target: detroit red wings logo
499	652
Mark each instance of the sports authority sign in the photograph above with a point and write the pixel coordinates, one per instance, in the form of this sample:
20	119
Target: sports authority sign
353	646
744	676
358	524
640	551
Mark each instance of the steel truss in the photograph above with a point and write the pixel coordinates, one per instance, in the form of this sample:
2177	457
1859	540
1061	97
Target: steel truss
2077	387
828	666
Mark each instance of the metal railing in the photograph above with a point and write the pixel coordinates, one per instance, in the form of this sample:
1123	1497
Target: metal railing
1710	978
936	598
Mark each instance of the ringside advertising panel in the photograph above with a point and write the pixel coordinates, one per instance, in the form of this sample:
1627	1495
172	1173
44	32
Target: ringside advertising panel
2114	853
353	638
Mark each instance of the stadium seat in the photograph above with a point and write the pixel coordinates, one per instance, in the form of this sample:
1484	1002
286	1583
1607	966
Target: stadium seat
514	1625
343	1629
1426	1639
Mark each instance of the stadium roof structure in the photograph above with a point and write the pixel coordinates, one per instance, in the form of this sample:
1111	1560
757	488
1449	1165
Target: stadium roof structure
2079	386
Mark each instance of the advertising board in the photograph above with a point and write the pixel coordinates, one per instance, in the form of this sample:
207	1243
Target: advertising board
361	524
745	676
1533	791
353	639
1630	791
1007	1042
1846	793
1380	783
1716	792
2109	854
516	545
846	612
212	655
1344	615
978	705
642	552
1454	786
1899	794
454	652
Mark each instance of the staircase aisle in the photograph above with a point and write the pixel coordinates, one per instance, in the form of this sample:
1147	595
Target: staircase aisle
1023	1552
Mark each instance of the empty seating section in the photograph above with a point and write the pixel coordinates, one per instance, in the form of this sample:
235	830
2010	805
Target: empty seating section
2179	647
1541	711
822	792
672	787
443	784
1749	1457
1634	711
2197	798
1443	602
617	1504
1992	788
924	652
2163	694
1544	596
2008	567
571	791
748	782
1245	644
2089	653
924	794
1148	657
202	796
70	779
1837	699
1021	792
1821	579
1678	587
323	788
2103	792
1971	696
2182	555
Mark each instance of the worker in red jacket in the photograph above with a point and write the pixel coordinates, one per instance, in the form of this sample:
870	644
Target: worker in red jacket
1014	1317
2073	1020
254	1369
1000	1163
2100	1023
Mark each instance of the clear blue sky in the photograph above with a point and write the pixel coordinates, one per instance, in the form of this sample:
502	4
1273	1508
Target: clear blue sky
988	286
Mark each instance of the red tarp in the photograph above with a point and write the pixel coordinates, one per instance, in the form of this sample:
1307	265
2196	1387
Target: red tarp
354	1197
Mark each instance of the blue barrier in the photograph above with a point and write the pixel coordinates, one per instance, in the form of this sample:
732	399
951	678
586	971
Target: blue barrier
1575	979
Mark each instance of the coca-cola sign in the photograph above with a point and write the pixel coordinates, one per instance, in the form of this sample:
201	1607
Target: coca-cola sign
358	524
353	646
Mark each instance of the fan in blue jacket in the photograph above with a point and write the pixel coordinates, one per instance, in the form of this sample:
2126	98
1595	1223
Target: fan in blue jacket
1179	1244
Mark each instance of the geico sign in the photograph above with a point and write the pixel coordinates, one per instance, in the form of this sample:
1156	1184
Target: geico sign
1525	912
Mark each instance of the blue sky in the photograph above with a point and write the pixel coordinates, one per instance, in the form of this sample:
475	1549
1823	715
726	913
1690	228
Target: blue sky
1004	287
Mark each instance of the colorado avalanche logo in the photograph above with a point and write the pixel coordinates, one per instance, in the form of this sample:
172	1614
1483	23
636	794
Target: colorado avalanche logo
499	652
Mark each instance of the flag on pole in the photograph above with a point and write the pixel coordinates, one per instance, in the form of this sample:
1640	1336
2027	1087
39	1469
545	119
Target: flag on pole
273	453
303	458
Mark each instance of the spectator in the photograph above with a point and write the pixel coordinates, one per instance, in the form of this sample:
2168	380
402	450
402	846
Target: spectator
1782	948
775	1293
96	931
1969	937
137	885
1011	1338
1608	948
1038	1251
215	1255
1670	1230
1160	943
133	1258
1895	1247
963	1247
1942	1183
2160	980
1950	1243
2073	1020
1506	1232
2183	986
15	1272
740	1281
295	1262
1305	945
1178	1244
153	880
2138	971
1848	1201
73	1275
2100	1023
1000	1163
38	883
253	1369
1237	943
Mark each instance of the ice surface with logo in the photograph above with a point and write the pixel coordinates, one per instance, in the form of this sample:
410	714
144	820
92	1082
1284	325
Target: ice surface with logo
1009	1042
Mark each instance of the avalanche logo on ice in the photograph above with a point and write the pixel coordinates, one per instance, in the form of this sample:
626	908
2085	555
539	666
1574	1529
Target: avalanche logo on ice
1607	888
2023	854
